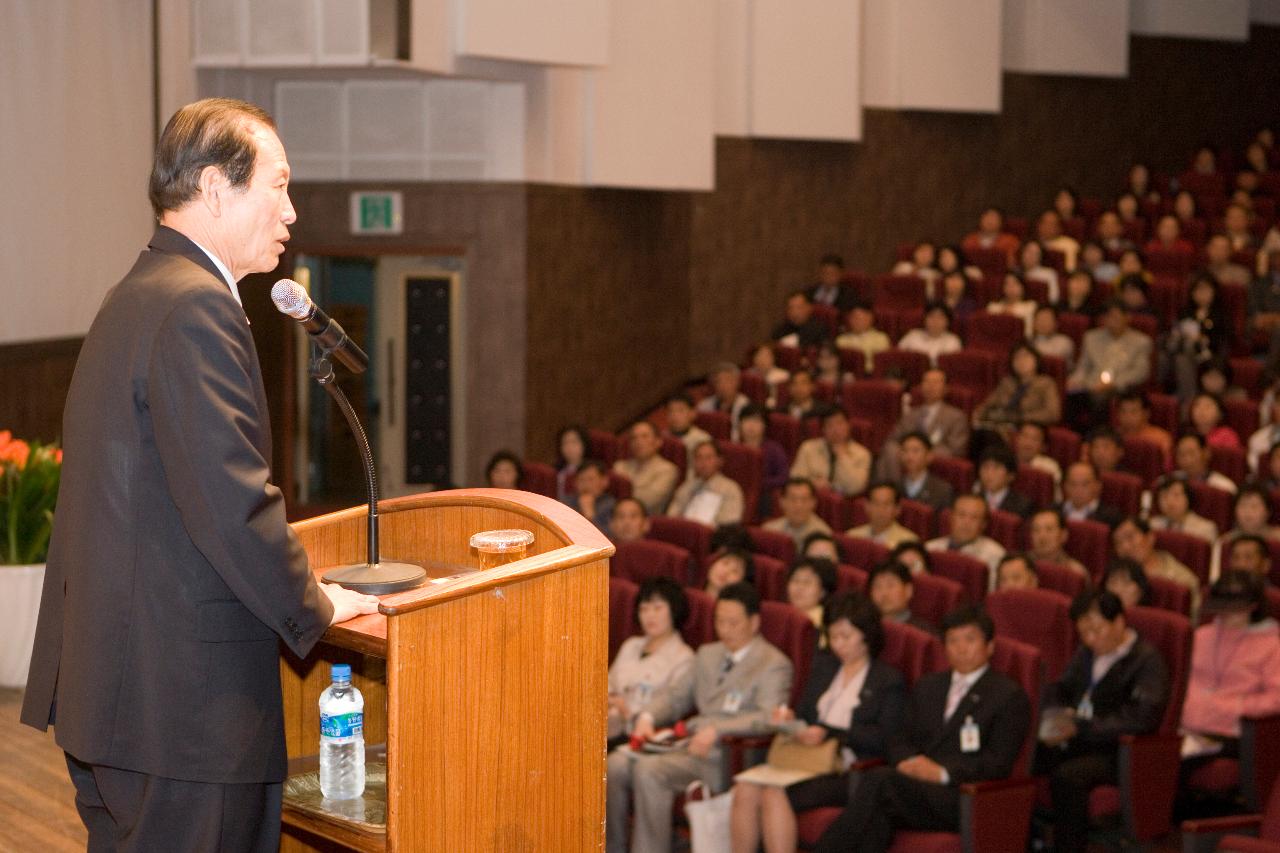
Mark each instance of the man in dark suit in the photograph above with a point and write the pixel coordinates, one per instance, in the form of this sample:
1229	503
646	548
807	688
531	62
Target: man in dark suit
1117	684
800	329
963	725
830	290
917	482
996	470
946	426
172	574
1082	493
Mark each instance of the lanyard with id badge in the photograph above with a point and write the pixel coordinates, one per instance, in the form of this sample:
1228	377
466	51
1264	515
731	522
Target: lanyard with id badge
970	736
732	701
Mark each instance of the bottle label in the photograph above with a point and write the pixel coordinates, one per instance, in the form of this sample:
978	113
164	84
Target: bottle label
342	725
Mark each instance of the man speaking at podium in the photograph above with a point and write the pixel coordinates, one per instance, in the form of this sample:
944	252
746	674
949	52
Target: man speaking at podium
172	574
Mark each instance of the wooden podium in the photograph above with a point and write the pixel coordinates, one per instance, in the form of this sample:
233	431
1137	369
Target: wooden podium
488	689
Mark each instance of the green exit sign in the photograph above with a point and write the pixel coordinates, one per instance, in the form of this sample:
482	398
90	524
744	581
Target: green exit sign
377	213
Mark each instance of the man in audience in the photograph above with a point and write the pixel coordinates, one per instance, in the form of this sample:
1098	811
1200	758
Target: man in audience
918	483
1047	533
1134	538
1115	685
590	498
968	526
707	495
834	460
820	546
798	502
680	414
890	588
1050	234
1113	359
1110	232
1082	493
1105	449
729	566
1249	553
629	522
1263	309
996	471
734	685
1029	444
1191	456
945	425
800	329
801	403
1016	571
726	379
966	724
1218	262
863	335
884	504
829	290
991	235
1133	420
652	477
1261	442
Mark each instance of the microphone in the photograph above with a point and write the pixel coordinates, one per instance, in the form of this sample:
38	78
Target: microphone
292	298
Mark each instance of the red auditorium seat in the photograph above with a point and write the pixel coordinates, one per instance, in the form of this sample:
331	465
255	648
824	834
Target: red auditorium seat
1191	551
1055	368
956	470
1074	326
1064	446
1230	461
539	478
619	485
994	333
1061	579
860	553
604	445
692	536
898	292
718	424
788	358
934	597
829	316
642	559
745	466
1039	618
1090	543
1035	483
699	628
1168	296
831	509
771	579
1004	527
850	579
1170	595
1213	503
1226	833
1144	458
917	517
908	364
971	369
622	602
911	651
1123	491
878	401
1169	262
1253	774
674	451
969	572
785	430
1248	375
992	262
776	544
791	631
1164	411
753	385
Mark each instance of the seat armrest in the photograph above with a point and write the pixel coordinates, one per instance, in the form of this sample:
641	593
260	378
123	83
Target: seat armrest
1148	769
1259	758
995	816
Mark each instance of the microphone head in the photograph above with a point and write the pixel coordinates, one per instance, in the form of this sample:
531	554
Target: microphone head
291	298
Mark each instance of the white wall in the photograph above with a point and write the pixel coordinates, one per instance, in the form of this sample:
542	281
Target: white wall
553	32
1265	12
75	153
1085	38
1223	20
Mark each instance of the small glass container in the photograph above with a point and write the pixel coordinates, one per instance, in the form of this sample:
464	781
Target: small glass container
499	547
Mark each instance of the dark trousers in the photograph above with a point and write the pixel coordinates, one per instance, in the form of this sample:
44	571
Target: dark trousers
884	801
126	812
1072	775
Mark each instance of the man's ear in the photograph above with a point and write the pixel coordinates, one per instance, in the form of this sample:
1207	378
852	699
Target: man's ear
214	187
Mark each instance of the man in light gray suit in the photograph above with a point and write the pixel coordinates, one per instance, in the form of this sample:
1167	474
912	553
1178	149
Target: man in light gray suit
734	684
1113	359
945	425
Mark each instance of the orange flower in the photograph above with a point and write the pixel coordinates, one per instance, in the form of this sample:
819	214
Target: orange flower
5	438
15	452
57	456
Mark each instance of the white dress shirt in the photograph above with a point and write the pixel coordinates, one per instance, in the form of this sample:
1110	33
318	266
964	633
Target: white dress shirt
226	273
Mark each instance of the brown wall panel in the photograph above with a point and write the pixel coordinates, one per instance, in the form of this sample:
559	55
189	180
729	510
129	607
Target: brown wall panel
34	378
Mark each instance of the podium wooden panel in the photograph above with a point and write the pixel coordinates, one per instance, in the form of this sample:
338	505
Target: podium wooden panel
488	688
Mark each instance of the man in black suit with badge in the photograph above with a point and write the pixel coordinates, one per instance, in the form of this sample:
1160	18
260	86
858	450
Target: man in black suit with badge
172	574
966	724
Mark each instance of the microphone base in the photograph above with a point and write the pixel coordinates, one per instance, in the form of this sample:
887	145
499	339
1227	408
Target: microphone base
379	579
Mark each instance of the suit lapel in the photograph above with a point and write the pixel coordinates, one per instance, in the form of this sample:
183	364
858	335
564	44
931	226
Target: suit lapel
172	242
970	705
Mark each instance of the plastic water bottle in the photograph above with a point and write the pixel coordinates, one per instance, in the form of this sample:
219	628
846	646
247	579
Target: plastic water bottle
341	737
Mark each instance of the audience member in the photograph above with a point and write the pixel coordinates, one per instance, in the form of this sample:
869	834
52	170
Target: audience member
1113	359
1050	234
923	264
764	363
955	295
1047	340
649	662
1104	448
863	336
733	686
918	483
833	460
830	289
1191	456
1168	238
1125	579
934	337
752	430
1219	263
1116	685
801	402
1032	267
1133	420
932	756
850	696
1110	232
572	444
707	495
1249	553
1024	394
996	470
827	368
890	588
1013	301
798	503
800	328
590	498
1251	512
1134	538
1175	510
1016	571
968	526
820	545
883	505
914	556
991	235
1135	293
1047	534
680	415
945	425
652	477
630	521
1206	416
1199	336
810	582
1263	306
1078	295
1029	444
1082	496
504	470
1261	442
726	396
1094	260
729	566
1235	227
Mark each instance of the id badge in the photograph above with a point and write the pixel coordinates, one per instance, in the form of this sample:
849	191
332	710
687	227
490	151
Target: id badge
970	736
1084	710
732	702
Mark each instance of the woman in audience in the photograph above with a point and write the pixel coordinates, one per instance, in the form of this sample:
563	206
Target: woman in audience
729	566
1235	670
1135	294
810	581
1065	202
571	449
827	367
1185	209
1131	262
923	263
1168	238
1205	416
955	295
1032	267
1024	394
935	338
1047	340
1199	336
1126	579
914	556
1093	260
648	662
1013	300
1175	510
1251	513
1078	296
1217	380
764	363
951	259
1139	185
1129	209
850	696
504	471
751	429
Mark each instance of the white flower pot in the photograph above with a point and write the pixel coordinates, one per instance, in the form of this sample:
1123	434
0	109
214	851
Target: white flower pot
20	588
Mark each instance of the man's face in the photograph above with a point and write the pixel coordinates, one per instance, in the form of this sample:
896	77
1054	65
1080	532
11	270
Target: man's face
798	504
1016	574
835	429
1028	443
798	309
1133	543
933	386
1235	219
644	441
990	222
591	482
968	517
824	548
829	275
679	415
1080	486
734	627
1105	453
860	320
725	571
1047	535
1048	226
968	649
1131	416
882	509
1191	458
890	594
1116	321
725	384
1218	250
1248	557
629	522
913	456
1101	636
801	388
1109	226
706	462
994	476
253	221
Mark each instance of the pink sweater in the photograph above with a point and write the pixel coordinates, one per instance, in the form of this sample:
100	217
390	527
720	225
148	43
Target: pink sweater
1235	672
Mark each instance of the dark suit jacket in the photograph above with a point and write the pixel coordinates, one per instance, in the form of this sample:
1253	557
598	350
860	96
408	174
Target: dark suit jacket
1017	503
810	334
950	428
881	704
1105	513
1129	700
997	704
172	574
846	297
936	492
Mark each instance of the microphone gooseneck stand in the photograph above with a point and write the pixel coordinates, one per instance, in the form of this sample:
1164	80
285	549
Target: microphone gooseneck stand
373	576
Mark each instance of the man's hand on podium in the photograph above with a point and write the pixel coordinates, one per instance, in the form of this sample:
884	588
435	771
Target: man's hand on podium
348	604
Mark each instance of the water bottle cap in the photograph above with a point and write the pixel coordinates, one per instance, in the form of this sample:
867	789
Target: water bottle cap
340	672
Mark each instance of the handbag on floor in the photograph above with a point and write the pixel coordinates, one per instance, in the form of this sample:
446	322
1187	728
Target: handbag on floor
708	818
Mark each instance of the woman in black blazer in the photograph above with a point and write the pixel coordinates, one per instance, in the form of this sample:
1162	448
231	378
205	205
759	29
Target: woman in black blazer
850	696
